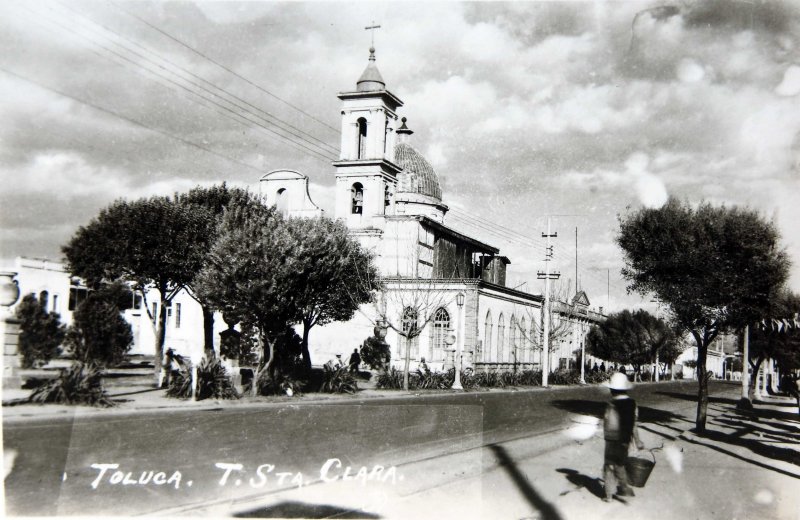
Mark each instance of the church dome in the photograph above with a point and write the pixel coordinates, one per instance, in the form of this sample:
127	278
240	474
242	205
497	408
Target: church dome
418	175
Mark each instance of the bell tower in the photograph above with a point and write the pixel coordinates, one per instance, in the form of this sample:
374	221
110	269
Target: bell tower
366	174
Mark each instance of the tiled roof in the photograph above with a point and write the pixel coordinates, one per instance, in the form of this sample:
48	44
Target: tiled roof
418	175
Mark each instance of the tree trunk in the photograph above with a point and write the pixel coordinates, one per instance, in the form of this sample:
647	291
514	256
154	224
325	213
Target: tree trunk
754	378
304	347
702	383
407	364
208	332
161	334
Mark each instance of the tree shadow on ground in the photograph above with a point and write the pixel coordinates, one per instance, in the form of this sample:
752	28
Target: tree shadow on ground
693	397
545	508
579	480
597	409
581	407
291	509
765	429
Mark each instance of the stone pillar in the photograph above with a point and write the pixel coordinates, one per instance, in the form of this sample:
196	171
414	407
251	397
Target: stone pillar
9	330
449	359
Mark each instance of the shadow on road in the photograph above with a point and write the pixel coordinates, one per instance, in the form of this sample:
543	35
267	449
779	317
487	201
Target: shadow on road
693	397
292	509
597	409
581	406
545	508
579	480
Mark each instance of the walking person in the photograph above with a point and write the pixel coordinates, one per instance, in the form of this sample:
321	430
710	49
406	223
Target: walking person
354	361
619	430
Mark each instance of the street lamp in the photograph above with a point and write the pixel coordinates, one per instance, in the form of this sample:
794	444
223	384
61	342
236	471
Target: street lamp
460	302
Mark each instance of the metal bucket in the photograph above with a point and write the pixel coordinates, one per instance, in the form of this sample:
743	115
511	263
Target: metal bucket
639	469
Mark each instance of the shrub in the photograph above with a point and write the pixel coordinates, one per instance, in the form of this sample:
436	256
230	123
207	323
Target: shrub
78	384
280	383
437	380
565	377
338	380
375	353
391	379
596	377
213	381
41	332
99	334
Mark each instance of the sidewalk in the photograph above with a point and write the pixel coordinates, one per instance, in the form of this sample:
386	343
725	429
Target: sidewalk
747	467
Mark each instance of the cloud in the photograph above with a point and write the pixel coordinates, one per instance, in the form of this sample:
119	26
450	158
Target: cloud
790	86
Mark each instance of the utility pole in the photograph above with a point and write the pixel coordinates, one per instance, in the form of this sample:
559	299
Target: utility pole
547	276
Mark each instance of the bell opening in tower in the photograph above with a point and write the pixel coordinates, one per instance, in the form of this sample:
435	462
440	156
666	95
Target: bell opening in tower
362	138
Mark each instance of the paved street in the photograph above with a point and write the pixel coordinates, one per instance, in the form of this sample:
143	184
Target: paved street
407	446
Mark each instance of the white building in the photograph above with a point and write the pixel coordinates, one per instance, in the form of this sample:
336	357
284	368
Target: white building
390	198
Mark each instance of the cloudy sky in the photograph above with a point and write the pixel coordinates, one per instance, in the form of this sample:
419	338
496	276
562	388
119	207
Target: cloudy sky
581	110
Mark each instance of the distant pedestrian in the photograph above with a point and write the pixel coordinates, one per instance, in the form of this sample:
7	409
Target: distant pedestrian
603	366
619	430
595	367
355	361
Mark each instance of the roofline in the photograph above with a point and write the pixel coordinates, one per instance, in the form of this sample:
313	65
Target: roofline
484	248
460	236
476	282
368	162
354	94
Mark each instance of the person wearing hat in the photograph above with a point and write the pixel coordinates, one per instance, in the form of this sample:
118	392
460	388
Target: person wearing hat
619	429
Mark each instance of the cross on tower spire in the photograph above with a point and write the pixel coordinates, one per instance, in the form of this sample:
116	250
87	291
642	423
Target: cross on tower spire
372	28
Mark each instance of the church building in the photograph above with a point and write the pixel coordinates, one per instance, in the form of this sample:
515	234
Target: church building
440	282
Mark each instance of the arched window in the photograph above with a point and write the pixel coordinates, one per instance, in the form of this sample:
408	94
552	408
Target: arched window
441	323
523	342
282	202
357	198
362	138
501	339
44	298
410	325
512	344
487	336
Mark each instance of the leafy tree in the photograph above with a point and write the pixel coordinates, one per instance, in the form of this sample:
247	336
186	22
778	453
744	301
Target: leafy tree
633	338
99	334
717	268
150	241
209	204
41	332
251	273
331	266
776	337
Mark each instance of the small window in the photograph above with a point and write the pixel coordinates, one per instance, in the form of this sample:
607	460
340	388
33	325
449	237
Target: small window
410	325
357	197
362	138
441	324
44	298
282	202
76	297
154	305
177	315
55	303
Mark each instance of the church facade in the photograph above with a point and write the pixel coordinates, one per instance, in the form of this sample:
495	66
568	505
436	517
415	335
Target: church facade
445	290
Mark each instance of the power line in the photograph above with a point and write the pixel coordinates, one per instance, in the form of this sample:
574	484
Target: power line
127	119
319	151
195	51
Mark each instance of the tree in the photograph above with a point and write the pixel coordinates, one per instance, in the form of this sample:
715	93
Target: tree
251	273
335	271
560	318
148	241
41	332
633	338
209	205
717	268
776	336
99	334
